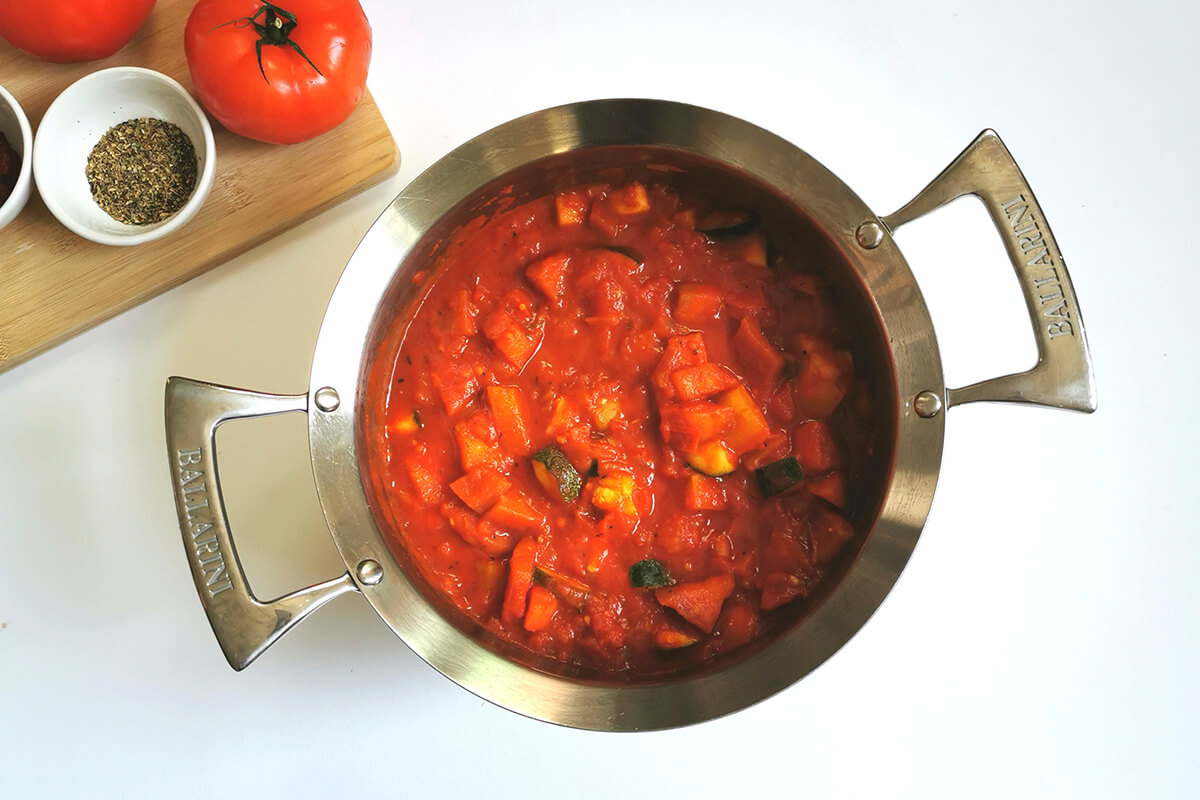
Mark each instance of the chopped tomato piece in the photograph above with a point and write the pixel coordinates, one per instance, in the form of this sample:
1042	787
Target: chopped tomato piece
747	301
831	488
475	531
630	199
761	359
507	336
456	385
829	532
478	443
520	579
570	208
783	587
685	426
549	275
703	493
738	624
480	488
427	471
696	303
509	416
815	448
783	553
700	602
702	381
683	351
750	429
515	511
539	609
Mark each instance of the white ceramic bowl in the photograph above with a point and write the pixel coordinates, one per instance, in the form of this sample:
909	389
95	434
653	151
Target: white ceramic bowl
15	127
82	114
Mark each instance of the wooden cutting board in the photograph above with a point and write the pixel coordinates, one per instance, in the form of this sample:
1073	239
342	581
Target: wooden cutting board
54	284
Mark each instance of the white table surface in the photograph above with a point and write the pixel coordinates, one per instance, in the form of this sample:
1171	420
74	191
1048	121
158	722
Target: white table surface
1044	640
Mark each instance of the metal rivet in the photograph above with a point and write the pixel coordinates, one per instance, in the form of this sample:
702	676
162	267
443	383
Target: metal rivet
927	404
369	572
869	235
327	398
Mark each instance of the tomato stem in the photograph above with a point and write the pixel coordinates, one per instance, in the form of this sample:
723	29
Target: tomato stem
275	28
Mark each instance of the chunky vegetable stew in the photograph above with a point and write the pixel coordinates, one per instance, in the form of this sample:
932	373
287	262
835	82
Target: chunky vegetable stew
621	431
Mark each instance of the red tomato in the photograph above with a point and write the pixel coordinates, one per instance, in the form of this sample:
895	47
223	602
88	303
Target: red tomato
71	30
278	73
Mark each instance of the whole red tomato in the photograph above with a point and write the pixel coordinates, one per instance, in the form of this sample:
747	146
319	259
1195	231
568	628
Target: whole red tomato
279	73
71	30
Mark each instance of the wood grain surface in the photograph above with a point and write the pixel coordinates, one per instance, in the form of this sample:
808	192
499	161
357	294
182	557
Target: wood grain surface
54	284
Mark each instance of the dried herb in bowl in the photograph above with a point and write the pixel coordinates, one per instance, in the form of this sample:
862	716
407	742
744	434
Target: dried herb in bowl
142	171
10	168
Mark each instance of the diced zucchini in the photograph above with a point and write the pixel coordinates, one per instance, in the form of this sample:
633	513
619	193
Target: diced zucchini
614	492
671	638
555	473
713	458
571	591
779	476
649	573
750	427
632	255
410	423
721	224
630	199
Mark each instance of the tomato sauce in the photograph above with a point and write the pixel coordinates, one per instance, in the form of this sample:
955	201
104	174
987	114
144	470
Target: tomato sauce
620	431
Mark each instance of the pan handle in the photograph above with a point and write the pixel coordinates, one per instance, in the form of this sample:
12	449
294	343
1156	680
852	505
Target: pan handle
1062	377
244	626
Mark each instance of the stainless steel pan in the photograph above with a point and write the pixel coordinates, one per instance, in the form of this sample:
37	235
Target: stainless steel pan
533	154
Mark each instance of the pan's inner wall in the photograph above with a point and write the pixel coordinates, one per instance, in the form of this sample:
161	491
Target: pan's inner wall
789	231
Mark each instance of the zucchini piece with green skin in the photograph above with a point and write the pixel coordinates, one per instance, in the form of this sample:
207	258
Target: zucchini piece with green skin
555	473
724	224
778	476
649	573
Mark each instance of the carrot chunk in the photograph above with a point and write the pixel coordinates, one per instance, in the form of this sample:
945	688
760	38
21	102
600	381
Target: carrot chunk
539	609
520	579
686	425
696	303
509	416
456	385
703	494
700	602
480	488
816	450
460	319
514	510
702	381
549	275
479	444
508	338
426	471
